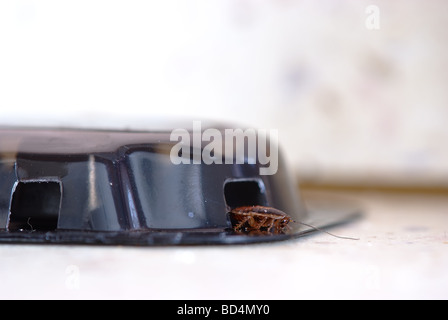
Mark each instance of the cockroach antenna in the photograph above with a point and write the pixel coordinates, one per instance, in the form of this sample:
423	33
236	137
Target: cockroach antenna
31	226
324	231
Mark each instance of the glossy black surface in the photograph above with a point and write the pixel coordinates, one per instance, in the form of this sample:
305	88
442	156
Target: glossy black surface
118	187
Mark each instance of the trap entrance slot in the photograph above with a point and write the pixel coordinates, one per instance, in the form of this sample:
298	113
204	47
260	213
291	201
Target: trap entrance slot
35	206
244	193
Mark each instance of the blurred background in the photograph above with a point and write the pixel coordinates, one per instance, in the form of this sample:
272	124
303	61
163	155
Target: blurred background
356	89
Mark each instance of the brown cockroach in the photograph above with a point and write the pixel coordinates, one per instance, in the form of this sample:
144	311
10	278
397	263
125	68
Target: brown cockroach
266	220
259	219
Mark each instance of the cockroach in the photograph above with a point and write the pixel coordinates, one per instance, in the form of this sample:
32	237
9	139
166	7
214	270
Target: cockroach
259	218
266	220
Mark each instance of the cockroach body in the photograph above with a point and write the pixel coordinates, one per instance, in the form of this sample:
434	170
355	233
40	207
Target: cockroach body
250	219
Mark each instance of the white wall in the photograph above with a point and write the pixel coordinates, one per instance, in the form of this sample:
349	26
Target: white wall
353	105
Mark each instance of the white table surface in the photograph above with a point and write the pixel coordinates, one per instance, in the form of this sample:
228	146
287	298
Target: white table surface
402	254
